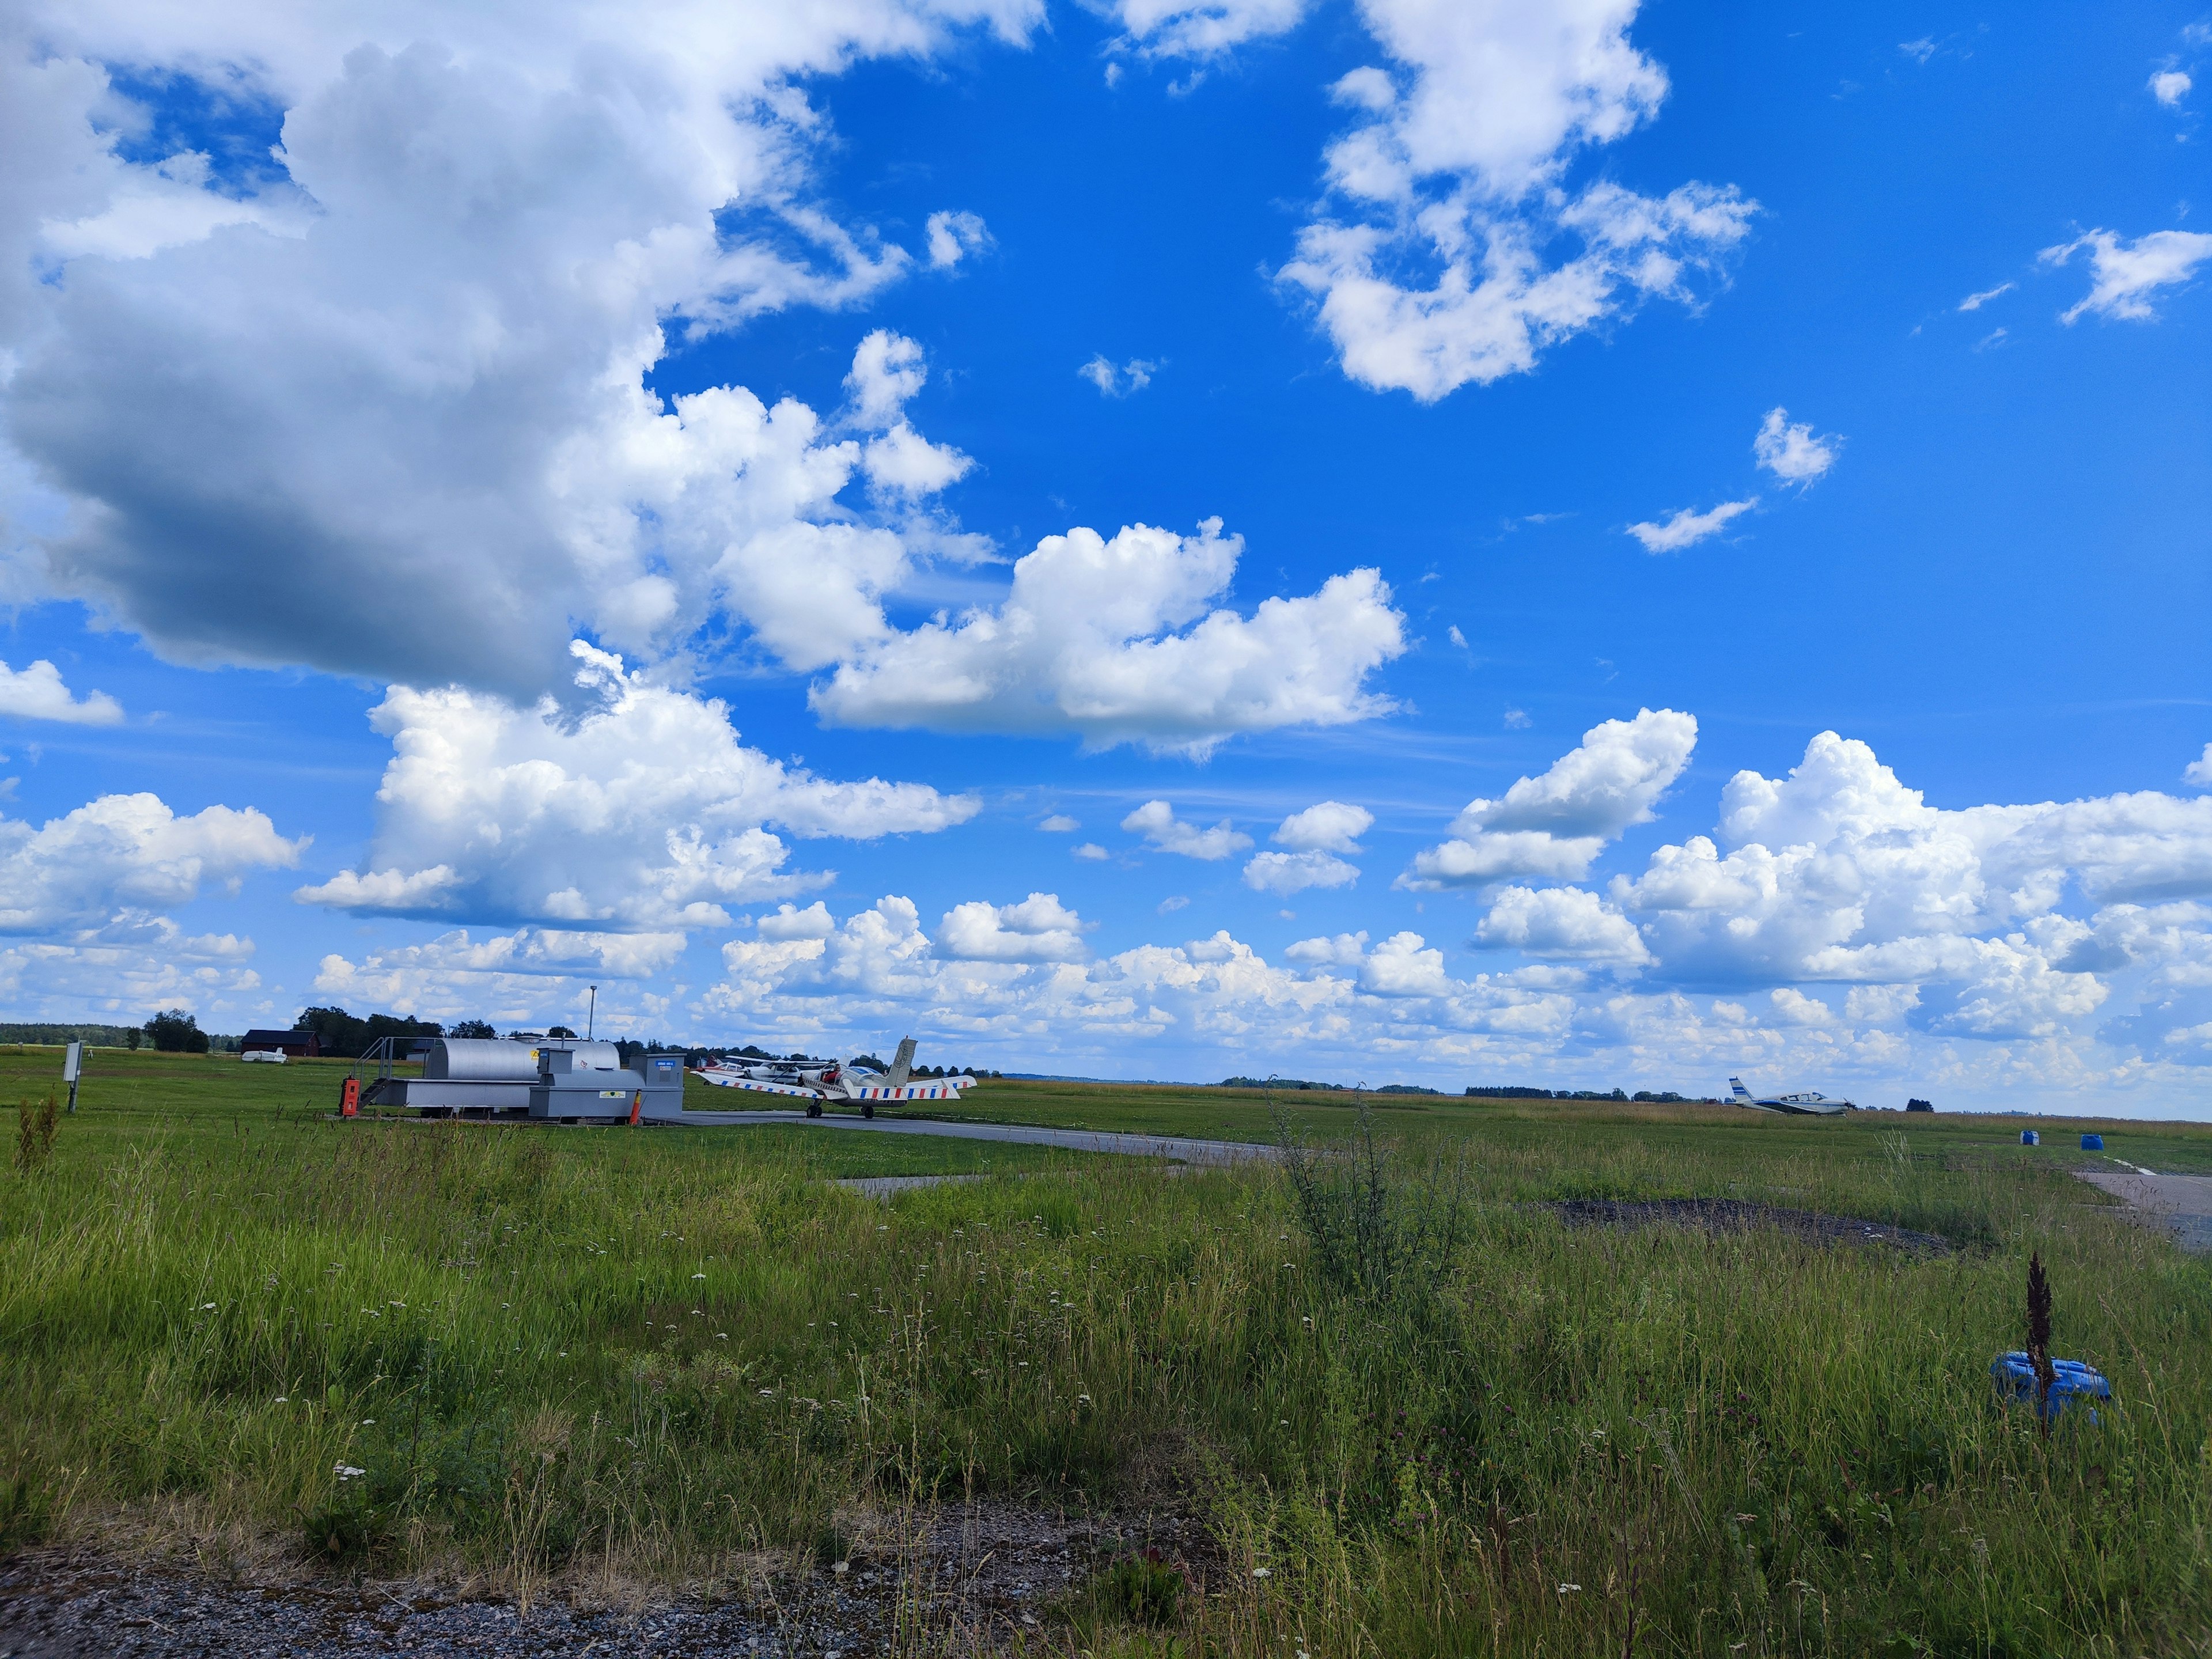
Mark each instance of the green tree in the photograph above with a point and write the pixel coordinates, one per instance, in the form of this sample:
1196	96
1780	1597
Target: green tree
176	1032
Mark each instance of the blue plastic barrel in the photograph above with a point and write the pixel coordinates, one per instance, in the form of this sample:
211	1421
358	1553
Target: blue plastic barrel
2072	1382
2029	1138
2092	1143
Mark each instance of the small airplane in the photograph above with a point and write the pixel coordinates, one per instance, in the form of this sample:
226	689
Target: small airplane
822	1082
1806	1105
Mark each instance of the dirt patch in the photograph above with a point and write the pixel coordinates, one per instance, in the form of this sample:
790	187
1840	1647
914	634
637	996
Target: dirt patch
1729	1215
978	1576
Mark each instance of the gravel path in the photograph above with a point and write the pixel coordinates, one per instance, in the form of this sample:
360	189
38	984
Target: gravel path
1725	1215
1178	1147
981	1576
2181	1204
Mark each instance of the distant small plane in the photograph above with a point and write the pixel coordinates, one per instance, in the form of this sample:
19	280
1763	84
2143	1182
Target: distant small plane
1808	1105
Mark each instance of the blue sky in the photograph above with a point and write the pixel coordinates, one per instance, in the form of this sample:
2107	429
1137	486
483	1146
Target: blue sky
1760	457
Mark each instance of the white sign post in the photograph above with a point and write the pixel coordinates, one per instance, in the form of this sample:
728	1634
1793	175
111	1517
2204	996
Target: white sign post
72	1063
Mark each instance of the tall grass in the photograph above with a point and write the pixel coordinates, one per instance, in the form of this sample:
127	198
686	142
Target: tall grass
1473	1432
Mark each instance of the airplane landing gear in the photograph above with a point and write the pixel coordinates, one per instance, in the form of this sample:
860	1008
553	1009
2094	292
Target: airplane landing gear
814	1109
868	1109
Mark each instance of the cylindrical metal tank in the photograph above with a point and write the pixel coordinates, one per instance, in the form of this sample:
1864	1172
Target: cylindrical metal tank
582	1056
481	1059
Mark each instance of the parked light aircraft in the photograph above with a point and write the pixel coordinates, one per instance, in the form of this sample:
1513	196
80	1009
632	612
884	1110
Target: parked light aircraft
823	1082
1808	1105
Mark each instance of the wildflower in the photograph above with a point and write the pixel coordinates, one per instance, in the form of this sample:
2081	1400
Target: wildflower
1563	1589
369	1422
347	1472
1260	1573
698	1275
721	1336
280	1399
207	1307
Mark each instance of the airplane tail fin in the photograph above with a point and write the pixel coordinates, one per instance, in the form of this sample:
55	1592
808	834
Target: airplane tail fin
901	1063
1740	1093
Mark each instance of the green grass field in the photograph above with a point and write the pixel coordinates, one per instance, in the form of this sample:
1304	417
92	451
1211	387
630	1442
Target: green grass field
1417	1415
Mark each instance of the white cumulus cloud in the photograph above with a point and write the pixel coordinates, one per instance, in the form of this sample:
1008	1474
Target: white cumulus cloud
407	352
1687	526
2125	276
1561	924
1166	833
1791	452
1553	825
37	693
953	237
1431	262
1038	929
1119	642
122	854
2199	771
2170	87
1293	873
1330	826
1976	302
644	813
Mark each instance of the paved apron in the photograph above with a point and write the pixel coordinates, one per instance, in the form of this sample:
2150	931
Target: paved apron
1176	1147
2183	1204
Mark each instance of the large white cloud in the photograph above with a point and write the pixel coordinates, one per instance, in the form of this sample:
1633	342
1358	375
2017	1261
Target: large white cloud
1555	824
1315	837
124	854
1841	872
38	693
274	404
1038	929
1329	826
646	813
378	403
1560	923
1122	641
1433	267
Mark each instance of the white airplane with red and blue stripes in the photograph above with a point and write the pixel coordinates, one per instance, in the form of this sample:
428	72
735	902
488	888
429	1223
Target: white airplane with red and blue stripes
823	1082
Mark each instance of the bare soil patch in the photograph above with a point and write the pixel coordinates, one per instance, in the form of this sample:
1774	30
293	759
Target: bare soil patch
976	1576
1729	1215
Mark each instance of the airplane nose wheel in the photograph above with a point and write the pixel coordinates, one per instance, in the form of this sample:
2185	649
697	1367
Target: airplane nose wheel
814	1109
868	1109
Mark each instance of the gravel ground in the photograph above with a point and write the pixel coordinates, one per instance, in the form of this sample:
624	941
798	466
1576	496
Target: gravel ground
981	1574
1725	1215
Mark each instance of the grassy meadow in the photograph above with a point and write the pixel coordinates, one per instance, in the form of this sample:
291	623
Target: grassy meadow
1414	1413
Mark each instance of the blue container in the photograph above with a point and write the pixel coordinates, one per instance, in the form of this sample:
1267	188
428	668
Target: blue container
2092	1143
2029	1138
2072	1383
